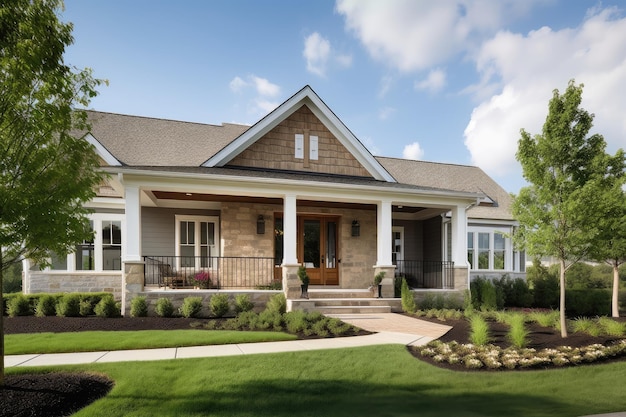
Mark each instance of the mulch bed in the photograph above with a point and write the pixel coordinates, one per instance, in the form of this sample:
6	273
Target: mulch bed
539	338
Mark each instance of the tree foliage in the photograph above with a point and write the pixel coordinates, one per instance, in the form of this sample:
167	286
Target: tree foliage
47	171
569	173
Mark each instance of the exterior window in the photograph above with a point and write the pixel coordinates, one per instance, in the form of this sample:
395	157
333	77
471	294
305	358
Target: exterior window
85	255
499	251
483	250
470	249
397	245
187	244
111	245
196	241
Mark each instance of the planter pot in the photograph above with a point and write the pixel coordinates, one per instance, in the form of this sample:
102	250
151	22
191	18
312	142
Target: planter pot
305	291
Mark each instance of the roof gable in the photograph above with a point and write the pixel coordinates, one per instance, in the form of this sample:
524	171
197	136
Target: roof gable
305	97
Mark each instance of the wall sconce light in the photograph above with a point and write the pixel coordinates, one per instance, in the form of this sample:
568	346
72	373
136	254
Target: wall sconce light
356	228
260	225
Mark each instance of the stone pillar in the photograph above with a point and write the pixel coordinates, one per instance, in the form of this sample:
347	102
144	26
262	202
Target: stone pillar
132	283
461	278
291	282
387	282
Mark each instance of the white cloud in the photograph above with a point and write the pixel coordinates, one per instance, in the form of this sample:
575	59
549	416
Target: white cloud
319	54
316	51
525	69
385	85
264	87
259	102
435	81
415	35
237	84
413	151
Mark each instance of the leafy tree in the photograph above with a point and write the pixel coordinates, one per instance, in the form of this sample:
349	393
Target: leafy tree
568	174
611	241
46	171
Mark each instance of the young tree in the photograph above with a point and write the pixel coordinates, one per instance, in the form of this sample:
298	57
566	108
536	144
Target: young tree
611	240
566	171
46	171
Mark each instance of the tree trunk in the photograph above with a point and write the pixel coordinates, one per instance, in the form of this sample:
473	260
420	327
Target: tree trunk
615	298
1	322
562	300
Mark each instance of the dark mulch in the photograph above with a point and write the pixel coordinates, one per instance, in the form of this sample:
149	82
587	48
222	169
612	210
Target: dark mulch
539	338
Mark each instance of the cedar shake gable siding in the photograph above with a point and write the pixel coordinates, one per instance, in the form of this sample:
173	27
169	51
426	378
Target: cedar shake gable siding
276	149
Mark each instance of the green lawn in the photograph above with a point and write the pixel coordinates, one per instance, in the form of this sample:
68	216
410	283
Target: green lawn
370	381
16	344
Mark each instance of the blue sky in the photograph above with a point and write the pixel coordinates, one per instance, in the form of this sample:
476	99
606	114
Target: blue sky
447	81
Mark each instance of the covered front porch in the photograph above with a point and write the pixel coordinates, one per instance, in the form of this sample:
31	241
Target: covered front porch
247	237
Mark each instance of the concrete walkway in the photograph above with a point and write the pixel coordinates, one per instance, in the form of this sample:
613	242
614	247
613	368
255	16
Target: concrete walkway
391	329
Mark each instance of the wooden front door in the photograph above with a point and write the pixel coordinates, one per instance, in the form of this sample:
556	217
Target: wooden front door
317	248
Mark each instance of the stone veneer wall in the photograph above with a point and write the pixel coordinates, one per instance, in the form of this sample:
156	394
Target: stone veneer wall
357	254
276	150
76	282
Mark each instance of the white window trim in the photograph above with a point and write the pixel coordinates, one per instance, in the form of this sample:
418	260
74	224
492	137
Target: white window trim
97	219
508	253
197	247
399	229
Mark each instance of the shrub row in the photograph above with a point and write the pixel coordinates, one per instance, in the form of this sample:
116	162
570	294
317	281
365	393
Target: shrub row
61	304
219	306
499	293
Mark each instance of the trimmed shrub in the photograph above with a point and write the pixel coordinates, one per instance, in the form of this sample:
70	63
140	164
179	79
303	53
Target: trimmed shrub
164	308
277	303
46	306
408	302
218	304
86	308
139	307
588	302
19	306
191	307
243	303
107	307
68	306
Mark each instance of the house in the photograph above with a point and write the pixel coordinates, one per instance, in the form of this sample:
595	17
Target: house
247	205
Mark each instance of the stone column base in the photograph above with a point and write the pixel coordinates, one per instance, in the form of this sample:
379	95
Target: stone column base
291	282
461	278
387	282
132	283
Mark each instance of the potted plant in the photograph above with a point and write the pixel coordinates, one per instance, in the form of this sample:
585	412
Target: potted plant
304	279
378	279
202	279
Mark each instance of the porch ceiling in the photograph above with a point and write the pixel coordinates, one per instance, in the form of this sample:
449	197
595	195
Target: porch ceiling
181	196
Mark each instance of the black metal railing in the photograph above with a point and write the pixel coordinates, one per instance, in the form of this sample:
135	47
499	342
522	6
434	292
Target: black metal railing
426	274
210	272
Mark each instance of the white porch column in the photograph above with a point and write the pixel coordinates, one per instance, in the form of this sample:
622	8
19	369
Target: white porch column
384	233
459	236
290	225
133	224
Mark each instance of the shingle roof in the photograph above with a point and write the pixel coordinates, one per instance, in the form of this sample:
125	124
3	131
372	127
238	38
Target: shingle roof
453	177
170	145
136	140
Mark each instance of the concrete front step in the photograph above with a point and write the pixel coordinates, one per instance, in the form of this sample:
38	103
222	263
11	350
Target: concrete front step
353	309
315	293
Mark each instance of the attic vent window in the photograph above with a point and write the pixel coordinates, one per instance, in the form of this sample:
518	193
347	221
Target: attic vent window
299	146
313	153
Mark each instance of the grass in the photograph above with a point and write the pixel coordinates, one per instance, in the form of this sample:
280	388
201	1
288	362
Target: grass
368	381
16	344
518	334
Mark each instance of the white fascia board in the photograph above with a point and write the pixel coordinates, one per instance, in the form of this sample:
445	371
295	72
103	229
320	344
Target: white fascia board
262	187
322	112
106	203
102	151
